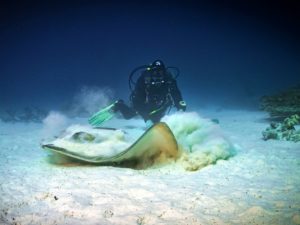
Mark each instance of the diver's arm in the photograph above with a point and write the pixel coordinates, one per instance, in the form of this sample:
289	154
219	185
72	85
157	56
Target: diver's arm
176	95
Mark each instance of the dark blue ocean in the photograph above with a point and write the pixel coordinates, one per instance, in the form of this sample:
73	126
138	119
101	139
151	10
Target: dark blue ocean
230	53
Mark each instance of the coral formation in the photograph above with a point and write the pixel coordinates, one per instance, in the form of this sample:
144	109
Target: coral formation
284	131
283	104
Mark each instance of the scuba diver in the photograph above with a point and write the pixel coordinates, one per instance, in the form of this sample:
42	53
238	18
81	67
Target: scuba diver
154	93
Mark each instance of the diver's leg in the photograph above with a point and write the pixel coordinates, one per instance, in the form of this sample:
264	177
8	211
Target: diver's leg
125	110
156	117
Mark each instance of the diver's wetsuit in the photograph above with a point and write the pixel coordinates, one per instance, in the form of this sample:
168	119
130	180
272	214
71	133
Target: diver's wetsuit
154	93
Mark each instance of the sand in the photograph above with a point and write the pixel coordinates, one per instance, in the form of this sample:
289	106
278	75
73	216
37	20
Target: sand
259	185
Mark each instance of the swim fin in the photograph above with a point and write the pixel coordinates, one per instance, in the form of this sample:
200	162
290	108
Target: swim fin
102	116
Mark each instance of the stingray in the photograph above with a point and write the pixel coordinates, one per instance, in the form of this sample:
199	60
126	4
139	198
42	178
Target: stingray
156	145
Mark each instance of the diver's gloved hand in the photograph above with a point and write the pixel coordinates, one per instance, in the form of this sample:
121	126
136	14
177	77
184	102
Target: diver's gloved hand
181	106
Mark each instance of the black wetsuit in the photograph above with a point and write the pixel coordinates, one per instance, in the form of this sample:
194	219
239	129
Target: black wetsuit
154	93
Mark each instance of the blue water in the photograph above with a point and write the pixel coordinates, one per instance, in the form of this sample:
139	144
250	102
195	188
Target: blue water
229	54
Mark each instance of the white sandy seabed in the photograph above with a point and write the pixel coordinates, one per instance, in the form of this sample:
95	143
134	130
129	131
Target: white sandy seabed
259	185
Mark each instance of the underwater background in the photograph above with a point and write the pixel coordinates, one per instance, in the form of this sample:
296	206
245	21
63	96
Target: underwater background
230	53
224	160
